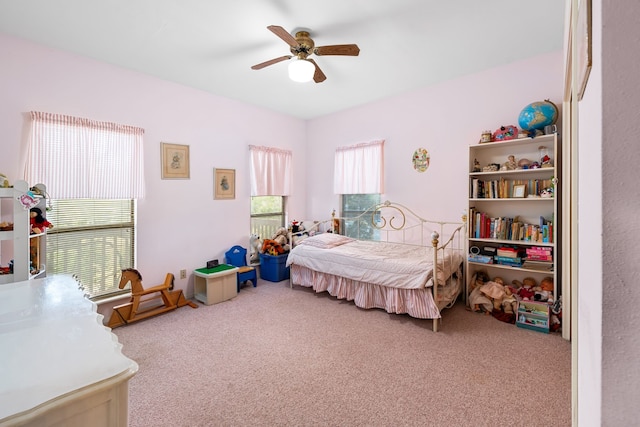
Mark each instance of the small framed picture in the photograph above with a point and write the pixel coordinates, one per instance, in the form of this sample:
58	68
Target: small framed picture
224	183
518	191
175	161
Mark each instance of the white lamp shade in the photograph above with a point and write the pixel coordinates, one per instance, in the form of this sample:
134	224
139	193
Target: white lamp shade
301	70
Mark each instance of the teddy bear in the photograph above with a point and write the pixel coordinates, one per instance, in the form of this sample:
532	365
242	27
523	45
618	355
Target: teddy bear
281	236
255	243
38	222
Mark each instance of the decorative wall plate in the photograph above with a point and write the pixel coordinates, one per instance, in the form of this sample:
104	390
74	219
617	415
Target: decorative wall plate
421	160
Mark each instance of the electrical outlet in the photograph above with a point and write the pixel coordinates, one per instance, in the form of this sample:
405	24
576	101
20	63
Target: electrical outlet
183	274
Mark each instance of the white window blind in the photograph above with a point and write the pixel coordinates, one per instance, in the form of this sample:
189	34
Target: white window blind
359	169
80	158
271	171
93	240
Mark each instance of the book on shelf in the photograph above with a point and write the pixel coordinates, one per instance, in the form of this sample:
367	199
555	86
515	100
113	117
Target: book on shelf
484	259
539	257
503	188
516	262
507	252
539	250
538	265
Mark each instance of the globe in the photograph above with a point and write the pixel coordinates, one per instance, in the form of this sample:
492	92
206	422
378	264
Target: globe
537	115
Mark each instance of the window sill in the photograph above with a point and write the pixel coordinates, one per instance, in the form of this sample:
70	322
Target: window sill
111	299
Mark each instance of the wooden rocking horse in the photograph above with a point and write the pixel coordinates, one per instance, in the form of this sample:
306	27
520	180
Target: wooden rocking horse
130	312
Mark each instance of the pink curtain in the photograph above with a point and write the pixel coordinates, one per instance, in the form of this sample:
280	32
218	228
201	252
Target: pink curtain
271	170
359	169
78	158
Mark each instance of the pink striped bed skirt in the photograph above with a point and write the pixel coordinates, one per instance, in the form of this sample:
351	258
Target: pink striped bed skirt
416	303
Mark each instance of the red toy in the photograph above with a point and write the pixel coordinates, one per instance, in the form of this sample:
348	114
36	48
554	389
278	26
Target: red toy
38	222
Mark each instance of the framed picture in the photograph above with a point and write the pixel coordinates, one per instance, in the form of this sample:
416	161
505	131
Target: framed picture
224	183
583	45
175	161
518	191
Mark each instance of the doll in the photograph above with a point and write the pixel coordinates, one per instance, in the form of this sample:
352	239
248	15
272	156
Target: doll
38	222
478	301
525	288
509	302
510	164
544	292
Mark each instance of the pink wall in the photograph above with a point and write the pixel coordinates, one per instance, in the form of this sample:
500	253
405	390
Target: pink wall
445	119
180	225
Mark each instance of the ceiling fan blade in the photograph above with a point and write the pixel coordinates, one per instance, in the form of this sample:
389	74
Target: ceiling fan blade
318	76
338	49
284	35
270	62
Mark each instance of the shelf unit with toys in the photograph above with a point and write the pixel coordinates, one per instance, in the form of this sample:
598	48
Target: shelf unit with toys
513	210
22	254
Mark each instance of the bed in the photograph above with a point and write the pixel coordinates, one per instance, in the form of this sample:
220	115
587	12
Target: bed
386	261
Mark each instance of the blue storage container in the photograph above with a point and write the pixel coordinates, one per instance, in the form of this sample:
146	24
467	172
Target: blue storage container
273	267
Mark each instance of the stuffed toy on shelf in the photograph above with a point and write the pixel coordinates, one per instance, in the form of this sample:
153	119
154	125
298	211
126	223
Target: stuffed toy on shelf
38	222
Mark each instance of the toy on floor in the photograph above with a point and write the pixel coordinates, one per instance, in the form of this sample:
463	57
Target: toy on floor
130	312
255	243
478	301
525	288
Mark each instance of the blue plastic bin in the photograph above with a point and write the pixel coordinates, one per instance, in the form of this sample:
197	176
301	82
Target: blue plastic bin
273	267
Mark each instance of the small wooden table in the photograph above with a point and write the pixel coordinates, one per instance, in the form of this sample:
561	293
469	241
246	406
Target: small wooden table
214	285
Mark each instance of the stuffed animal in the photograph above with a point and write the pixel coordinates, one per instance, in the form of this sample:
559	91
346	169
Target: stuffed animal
281	237
547	193
38	222
255	243
271	247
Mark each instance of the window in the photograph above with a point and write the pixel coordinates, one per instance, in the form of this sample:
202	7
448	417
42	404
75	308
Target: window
92	239
270	176
267	215
358	176
354	205
94	173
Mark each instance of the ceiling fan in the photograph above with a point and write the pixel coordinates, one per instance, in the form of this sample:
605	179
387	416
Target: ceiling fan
302	46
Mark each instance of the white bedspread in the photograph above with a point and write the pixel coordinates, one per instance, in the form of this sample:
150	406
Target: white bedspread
382	263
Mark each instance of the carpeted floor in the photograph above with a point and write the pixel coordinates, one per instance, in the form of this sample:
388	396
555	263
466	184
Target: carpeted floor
275	356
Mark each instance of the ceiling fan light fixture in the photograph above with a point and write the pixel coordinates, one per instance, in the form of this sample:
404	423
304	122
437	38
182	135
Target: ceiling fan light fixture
301	70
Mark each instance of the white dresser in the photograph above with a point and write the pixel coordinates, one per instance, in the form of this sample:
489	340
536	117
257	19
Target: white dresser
59	365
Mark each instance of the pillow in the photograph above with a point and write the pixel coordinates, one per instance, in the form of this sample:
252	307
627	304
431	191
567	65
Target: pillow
326	240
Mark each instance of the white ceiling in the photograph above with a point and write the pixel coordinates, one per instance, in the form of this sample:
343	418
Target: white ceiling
211	44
